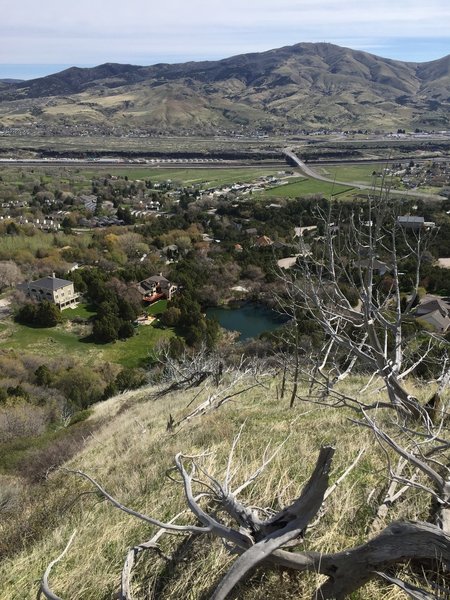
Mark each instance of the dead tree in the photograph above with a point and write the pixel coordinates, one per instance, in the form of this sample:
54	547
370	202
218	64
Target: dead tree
370	331
216	381
259	539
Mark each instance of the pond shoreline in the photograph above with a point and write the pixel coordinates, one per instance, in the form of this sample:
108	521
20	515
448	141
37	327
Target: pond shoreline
248	318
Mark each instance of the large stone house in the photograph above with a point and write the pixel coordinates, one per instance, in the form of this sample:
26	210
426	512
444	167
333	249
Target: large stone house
59	291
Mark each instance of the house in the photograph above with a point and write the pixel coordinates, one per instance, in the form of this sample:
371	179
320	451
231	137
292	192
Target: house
431	303
437	321
435	311
251	231
414	222
155	288
288	262
378	266
59	291
300	231
263	241
171	252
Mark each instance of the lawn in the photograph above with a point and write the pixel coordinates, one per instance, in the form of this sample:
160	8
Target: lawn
136	351
82	311
157	308
303	187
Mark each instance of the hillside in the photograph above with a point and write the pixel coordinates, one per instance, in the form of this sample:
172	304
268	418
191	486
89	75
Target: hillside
130	452
305	86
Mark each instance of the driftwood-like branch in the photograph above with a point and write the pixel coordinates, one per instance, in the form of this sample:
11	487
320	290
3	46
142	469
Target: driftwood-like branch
412	590
440	489
170	527
285	526
133	553
45	587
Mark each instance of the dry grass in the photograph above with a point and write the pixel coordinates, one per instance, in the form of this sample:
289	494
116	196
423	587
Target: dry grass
130	456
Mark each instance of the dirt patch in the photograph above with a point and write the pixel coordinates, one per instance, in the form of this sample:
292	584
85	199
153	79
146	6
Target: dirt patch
444	263
5	308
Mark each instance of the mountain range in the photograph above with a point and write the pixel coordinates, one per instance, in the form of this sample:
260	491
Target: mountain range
302	87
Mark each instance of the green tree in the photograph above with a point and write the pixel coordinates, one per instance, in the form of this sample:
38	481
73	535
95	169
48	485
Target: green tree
43	376
106	329
47	314
43	314
26	314
126	330
171	316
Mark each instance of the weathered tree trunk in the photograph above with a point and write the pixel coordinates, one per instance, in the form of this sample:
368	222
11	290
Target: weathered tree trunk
260	543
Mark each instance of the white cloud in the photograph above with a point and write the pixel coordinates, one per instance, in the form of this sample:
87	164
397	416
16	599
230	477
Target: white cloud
141	30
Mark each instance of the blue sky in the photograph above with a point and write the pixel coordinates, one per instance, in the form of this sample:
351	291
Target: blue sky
44	37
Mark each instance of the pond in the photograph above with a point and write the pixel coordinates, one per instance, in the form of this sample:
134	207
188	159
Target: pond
249	319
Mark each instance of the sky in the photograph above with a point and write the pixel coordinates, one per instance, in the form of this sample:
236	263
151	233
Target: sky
46	36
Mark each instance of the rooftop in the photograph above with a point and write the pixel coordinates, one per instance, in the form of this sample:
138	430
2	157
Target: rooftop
50	283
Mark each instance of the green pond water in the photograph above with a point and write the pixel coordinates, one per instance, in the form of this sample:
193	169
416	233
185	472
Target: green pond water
249	319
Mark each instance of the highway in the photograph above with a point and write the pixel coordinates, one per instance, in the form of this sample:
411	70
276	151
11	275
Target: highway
309	172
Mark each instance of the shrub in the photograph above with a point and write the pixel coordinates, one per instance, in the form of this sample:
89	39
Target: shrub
81	386
43	376
80	416
126	330
106	329
129	379
39	461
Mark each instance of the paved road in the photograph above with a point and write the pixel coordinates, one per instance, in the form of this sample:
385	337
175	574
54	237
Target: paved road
306	170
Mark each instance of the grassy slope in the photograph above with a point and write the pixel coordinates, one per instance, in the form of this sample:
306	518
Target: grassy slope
68	338
130	455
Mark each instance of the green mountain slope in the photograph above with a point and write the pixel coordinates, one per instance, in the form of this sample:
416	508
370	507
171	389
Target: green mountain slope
307	86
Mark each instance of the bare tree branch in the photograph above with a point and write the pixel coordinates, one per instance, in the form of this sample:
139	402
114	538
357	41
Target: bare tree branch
45	587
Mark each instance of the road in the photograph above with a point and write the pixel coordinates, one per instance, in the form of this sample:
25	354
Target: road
309	172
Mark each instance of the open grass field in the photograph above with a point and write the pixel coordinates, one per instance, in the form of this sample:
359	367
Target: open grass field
68	338
82	311
305	186
209	176
79	178
360	174
157	308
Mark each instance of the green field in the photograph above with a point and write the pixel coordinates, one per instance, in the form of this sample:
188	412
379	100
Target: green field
210	176
303	187
79	179
361	174
136	351
68	339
